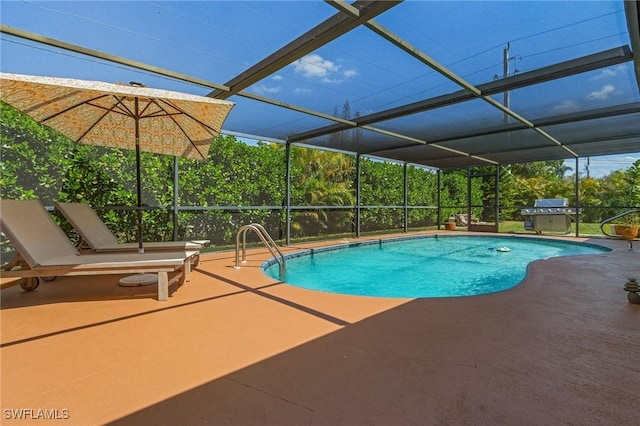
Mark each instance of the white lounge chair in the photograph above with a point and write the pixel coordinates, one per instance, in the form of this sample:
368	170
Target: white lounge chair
45	251
97	237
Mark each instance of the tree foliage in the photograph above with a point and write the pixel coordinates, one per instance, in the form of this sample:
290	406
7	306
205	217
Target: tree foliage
241	183
320	178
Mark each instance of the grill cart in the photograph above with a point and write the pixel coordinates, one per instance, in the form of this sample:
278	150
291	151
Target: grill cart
549	215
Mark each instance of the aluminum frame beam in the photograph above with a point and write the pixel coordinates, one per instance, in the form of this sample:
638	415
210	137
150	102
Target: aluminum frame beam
613	111
332	28
576	117
632	14
599	60
27	35
433	64
564	69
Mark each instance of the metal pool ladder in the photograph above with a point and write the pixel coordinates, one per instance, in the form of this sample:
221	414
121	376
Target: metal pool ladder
266	240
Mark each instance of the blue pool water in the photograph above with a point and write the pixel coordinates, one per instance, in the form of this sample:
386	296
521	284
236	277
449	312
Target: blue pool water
444	266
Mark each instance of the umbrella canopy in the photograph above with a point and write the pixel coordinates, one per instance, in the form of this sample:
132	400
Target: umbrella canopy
120	116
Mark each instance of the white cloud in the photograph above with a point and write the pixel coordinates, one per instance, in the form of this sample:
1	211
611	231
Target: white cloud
606	73
566	106
350	73
264	90
301	91
332	80
603	93
277	77
314	66
610	72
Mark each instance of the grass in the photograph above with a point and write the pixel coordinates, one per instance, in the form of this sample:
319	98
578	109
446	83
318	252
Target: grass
586	229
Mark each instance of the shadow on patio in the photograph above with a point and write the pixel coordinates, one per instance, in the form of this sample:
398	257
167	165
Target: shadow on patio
235	347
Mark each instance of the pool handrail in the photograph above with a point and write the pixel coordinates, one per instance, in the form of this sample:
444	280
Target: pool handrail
266	240
611	219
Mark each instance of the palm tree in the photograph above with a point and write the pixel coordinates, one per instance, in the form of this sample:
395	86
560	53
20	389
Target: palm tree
323	179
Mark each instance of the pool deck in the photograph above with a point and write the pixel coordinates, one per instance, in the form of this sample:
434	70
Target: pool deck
234	347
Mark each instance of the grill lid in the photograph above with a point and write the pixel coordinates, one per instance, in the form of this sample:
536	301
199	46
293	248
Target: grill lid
552	202
549	206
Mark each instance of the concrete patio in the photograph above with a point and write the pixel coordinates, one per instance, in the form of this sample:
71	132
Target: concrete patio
234	347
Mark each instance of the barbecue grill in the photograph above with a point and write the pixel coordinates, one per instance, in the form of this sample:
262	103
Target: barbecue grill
549	215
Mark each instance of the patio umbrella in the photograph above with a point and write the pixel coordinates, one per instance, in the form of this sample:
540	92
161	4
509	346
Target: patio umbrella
120	116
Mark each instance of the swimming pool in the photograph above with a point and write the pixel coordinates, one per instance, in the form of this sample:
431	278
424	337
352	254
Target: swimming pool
425	266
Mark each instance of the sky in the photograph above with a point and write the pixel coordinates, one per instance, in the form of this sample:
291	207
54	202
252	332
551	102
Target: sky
597	167
216	40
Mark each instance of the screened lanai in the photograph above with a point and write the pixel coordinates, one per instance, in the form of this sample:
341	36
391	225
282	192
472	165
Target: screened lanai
417	110
442	85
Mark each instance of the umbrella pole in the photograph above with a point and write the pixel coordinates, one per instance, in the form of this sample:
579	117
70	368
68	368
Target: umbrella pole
138	179
140	278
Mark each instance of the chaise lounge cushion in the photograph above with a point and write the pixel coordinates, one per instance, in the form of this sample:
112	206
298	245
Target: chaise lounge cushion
47	251
95	233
